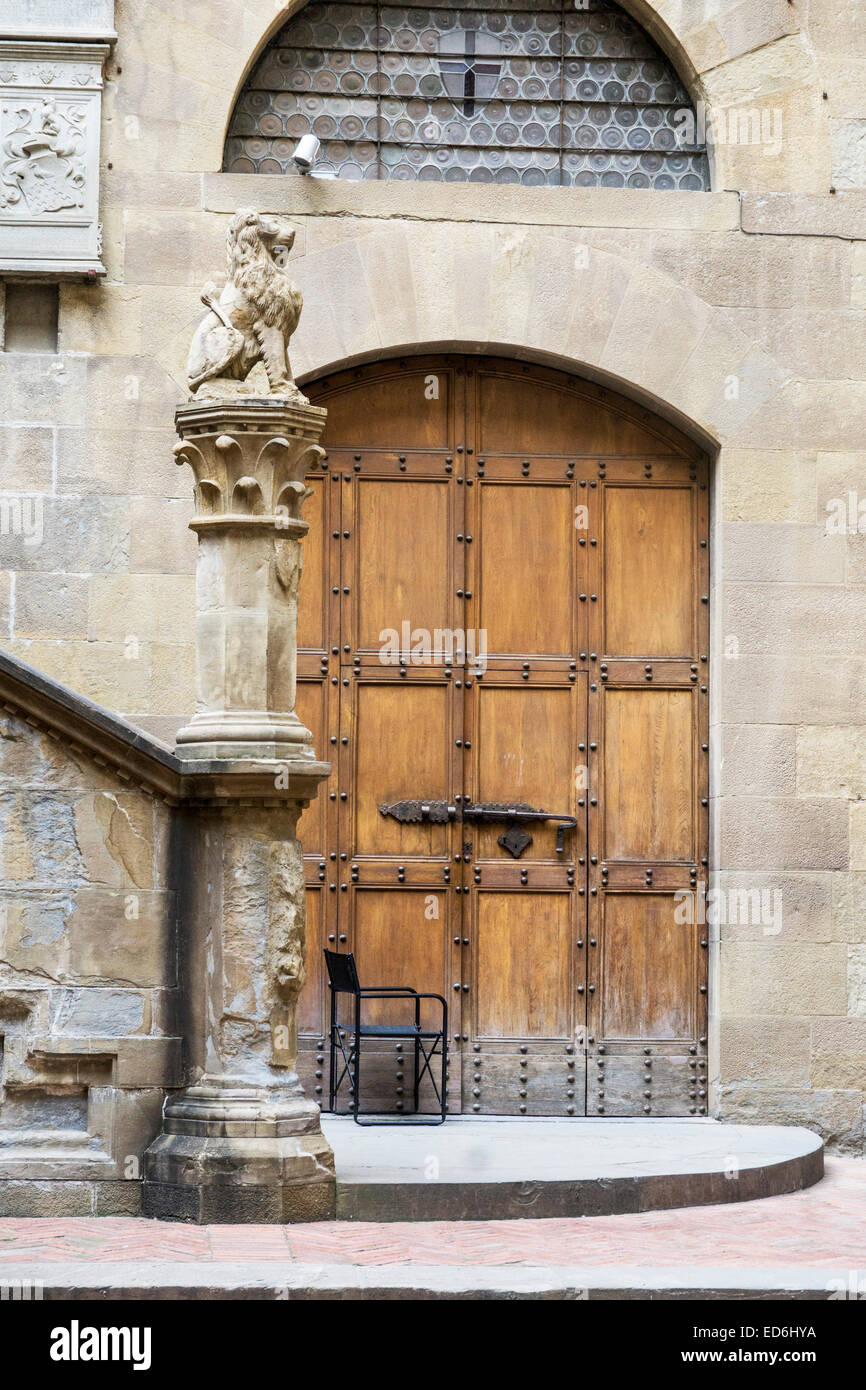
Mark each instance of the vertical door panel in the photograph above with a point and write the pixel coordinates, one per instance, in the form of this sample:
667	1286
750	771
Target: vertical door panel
403	571
525	750
649	811
313	606
649	565
648	836
526	583
402	739
646	969
312	706
523	971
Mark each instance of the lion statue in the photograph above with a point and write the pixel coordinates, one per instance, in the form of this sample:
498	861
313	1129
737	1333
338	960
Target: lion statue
252	319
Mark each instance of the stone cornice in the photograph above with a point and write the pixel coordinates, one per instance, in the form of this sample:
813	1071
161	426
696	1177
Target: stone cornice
136	757
52	22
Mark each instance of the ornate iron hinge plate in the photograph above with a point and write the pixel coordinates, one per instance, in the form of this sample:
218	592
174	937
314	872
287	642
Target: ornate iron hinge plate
515	839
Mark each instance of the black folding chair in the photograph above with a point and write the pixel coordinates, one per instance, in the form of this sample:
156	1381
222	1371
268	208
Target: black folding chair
346	1038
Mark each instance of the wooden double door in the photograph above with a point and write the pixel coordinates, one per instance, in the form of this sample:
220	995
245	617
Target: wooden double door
505	601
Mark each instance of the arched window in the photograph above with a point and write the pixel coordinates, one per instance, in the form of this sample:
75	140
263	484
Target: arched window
491	91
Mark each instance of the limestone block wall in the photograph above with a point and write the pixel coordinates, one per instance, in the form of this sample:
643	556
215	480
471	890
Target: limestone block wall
88	976
741	314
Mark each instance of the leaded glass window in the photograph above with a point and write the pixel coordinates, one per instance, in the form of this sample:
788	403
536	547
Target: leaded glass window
491	91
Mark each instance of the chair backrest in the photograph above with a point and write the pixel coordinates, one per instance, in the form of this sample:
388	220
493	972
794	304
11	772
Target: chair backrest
341	972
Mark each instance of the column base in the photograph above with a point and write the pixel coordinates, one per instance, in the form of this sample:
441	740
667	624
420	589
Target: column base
236	1154
256	736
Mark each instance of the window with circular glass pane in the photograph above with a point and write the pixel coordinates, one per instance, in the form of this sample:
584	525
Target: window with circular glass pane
491	91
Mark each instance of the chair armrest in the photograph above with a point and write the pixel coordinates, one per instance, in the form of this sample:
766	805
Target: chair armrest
390	994
382	990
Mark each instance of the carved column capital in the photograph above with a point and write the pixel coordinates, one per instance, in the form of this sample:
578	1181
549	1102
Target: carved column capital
249	461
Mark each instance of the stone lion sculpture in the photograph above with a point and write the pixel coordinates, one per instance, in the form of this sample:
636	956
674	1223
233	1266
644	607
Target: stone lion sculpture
252	319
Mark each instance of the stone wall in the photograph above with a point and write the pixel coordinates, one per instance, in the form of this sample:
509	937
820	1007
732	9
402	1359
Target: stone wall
88	977
740	314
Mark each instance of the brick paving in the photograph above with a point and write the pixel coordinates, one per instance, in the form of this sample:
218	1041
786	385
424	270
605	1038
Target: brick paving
822	1226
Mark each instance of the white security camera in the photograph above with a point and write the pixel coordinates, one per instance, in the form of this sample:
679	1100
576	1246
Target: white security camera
306	153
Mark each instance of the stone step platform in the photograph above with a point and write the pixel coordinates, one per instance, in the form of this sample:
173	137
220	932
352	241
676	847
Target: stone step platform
269	1281
487	1169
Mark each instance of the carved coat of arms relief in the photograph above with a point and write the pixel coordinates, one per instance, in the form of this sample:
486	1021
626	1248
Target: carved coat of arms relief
50	122
43	166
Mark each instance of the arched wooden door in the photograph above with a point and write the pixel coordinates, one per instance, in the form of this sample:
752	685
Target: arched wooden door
560	531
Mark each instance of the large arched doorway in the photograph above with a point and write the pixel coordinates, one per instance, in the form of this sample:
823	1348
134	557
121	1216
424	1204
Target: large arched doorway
505	601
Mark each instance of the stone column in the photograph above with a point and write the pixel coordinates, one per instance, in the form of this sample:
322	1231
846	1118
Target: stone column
243	1143
249	460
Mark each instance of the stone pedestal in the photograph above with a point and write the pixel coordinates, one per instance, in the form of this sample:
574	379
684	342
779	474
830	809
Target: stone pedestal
250	459
243	1144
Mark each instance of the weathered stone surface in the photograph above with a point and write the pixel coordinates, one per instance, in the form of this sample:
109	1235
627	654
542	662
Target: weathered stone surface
782	553
816	618
746	26
831	761
109	322
80	535
762	833
731	271
838	474
38	845
829	414
121	937
758	760
813	344
114	461
642	328
836	1115
105	672
858	834
726	378
51	605
168	247
146	607
796	906
766	1052
838	1053
799	214
778	977
160	539
849	906
785	690
28	458
857	981
766	487
45	1199
100	1012
469	202
858	279
849	153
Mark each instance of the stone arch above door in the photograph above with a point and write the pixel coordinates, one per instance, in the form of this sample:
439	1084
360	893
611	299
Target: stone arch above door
530	294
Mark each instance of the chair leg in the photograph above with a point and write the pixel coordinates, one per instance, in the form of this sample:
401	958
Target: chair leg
356	1088
417	1080
444	1072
